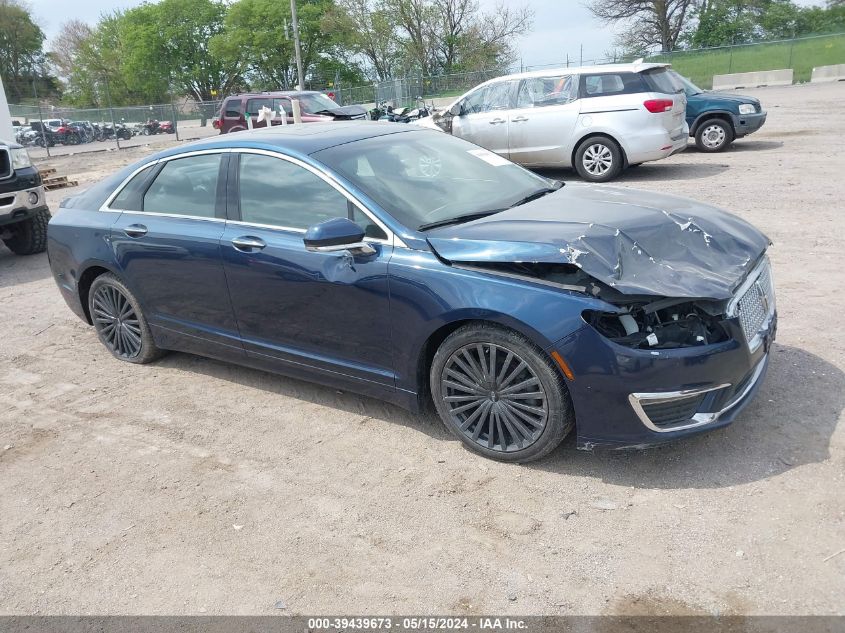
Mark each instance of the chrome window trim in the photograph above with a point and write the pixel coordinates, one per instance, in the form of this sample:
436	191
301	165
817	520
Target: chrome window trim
105	206
636	400
392	238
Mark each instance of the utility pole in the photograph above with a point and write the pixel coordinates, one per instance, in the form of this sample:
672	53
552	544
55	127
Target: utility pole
296	45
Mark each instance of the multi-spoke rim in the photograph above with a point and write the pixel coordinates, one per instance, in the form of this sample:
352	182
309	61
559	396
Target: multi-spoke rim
494	397
116	321
713	136
598	159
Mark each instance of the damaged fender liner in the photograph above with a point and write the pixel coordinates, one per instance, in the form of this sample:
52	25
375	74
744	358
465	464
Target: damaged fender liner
635	242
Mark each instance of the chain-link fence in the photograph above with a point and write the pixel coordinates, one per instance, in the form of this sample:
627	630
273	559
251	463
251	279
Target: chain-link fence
801	54
188	119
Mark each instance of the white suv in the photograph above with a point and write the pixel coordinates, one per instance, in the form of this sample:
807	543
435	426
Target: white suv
598	119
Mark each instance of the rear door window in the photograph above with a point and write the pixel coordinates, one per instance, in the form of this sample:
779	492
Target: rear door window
186	186
610	84
130	197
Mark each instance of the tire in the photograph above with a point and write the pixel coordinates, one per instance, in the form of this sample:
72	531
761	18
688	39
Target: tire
713	135
30	236
72	139
145	131
521	432
129	339
598	159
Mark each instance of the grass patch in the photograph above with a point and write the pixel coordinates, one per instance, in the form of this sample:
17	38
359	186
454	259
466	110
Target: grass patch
801	55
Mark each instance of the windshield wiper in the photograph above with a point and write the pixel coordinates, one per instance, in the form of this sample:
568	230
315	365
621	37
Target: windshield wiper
458	219
537	194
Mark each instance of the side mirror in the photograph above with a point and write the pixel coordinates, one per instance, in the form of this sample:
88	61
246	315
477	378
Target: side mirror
456	109
335	235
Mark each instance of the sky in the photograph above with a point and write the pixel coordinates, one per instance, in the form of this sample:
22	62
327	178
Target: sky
561	27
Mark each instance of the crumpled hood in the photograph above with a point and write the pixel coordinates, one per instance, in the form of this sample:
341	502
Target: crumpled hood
637	242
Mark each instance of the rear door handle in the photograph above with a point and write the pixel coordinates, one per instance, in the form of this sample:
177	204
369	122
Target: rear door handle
520	119
496	121
248	244
135	230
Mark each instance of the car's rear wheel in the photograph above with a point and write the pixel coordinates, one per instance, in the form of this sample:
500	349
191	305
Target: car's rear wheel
30	236
714	135
598	159
499	393
119	322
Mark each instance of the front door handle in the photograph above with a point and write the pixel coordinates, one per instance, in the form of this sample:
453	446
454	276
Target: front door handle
248	244
496	121
135	230
520	119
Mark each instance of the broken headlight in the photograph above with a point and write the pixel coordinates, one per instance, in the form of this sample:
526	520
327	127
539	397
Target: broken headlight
657	325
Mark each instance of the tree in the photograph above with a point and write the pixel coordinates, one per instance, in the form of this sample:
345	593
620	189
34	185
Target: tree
254	40
170	40
67	45
442	36
22	59
369	30
649	22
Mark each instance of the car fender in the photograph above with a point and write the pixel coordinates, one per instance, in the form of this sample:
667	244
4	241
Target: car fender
428	297
596	127
709	114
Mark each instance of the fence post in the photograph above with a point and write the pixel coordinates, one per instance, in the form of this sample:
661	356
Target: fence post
731	58
111	114
43	133
175	122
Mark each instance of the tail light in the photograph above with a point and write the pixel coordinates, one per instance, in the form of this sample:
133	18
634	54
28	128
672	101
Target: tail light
216	124
656	106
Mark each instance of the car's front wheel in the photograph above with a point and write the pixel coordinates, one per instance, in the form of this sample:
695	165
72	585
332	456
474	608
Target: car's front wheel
119	321
714	135
598	159
499	393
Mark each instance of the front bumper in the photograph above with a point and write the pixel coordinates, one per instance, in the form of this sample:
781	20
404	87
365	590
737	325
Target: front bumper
16	206
616	389
745	124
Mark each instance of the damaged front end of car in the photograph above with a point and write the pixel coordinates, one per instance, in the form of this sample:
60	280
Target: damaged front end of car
677	311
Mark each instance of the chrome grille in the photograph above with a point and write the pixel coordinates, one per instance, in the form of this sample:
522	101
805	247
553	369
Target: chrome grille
756	304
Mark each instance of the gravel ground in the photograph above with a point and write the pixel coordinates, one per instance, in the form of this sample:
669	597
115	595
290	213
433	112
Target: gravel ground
181	487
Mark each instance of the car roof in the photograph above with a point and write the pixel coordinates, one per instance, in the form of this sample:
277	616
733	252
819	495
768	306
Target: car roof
276	93
635	67
303	139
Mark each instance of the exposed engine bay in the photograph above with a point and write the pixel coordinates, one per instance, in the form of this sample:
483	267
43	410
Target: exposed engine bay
642	321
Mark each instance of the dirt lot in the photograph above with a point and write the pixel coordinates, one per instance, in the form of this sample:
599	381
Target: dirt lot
180	488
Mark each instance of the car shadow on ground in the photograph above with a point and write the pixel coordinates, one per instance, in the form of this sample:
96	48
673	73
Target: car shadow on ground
21	269
345	402
742	146
789	424
647	172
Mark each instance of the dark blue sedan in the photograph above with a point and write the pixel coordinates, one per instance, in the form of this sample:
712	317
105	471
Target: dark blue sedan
412	266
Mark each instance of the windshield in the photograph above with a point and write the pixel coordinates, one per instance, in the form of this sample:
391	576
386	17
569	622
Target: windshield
422	178
316	102
689	87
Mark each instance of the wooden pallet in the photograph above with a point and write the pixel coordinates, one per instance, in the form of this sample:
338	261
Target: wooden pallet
58	182
46	171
